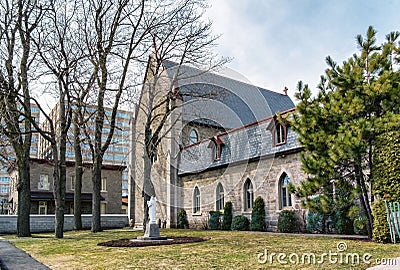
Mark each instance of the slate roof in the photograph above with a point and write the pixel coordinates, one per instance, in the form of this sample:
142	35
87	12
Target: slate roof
240	145
210	97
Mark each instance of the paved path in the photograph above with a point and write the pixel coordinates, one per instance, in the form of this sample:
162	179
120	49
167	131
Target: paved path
394	265
12	258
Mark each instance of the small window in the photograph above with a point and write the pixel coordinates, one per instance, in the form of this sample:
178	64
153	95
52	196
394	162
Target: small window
193	137
285	196
44	182
216	151
104	184
280	134
72	182
216	144
42	208
196	200
220	197
248	195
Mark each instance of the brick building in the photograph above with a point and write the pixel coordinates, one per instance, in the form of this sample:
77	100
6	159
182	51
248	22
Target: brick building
42	198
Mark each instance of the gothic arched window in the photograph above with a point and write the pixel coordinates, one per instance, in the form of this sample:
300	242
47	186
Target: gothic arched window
220	197
196	200
248	195
285	198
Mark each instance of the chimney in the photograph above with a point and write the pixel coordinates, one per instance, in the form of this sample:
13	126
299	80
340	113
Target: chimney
285	91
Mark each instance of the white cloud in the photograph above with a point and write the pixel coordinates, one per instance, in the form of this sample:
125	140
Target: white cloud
277	43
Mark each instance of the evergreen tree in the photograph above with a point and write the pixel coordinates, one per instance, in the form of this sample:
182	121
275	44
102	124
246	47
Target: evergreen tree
258	215
386	182
227	218
337	127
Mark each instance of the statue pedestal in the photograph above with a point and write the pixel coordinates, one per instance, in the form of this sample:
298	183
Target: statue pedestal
152	233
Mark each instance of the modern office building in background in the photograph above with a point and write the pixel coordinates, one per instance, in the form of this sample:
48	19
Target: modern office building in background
117	153
8	158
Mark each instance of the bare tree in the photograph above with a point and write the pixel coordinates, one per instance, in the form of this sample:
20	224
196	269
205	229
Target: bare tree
59	56
114	35
179	35
19	20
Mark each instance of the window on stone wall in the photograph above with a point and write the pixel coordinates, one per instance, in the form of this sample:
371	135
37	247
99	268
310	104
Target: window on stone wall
193	137
220	197
104	184
196	200
285	196
44	182
248	195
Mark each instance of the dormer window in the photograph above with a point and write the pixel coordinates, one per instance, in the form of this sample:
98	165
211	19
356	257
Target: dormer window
193	137
280	134
278	131
216	151
216	147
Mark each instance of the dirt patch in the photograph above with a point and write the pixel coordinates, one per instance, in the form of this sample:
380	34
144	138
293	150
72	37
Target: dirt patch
146	243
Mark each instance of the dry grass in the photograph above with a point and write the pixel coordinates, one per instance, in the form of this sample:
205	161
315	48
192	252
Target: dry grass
225	250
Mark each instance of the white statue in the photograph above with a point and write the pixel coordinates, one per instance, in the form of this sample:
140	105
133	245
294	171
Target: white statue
152	209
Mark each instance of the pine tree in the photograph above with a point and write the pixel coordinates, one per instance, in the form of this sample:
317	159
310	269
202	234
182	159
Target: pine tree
337	127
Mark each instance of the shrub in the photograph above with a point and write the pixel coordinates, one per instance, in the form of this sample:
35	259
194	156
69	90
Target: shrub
182	219
360	225
360	220
240	223
343	224
386	161
227	218
287	221
316	222
214	220
386	184
258	215
381	231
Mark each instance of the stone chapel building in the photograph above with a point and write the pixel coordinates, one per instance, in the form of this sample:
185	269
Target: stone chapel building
223	142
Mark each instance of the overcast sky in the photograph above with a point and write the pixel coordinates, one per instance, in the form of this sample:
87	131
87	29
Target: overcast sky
276	43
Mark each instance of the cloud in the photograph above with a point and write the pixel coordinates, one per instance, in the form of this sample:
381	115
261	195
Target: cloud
278	43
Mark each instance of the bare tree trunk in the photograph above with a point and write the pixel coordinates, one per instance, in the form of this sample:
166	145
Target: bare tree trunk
60	203
96	179
24	197
78	174
59	191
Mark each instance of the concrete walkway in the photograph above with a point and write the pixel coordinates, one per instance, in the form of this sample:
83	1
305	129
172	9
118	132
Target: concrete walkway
393	264
12	258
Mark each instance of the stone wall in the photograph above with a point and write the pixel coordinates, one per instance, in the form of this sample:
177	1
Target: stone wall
45	223
264	174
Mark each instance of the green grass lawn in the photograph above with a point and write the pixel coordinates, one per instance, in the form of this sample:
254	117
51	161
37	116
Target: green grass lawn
224	250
